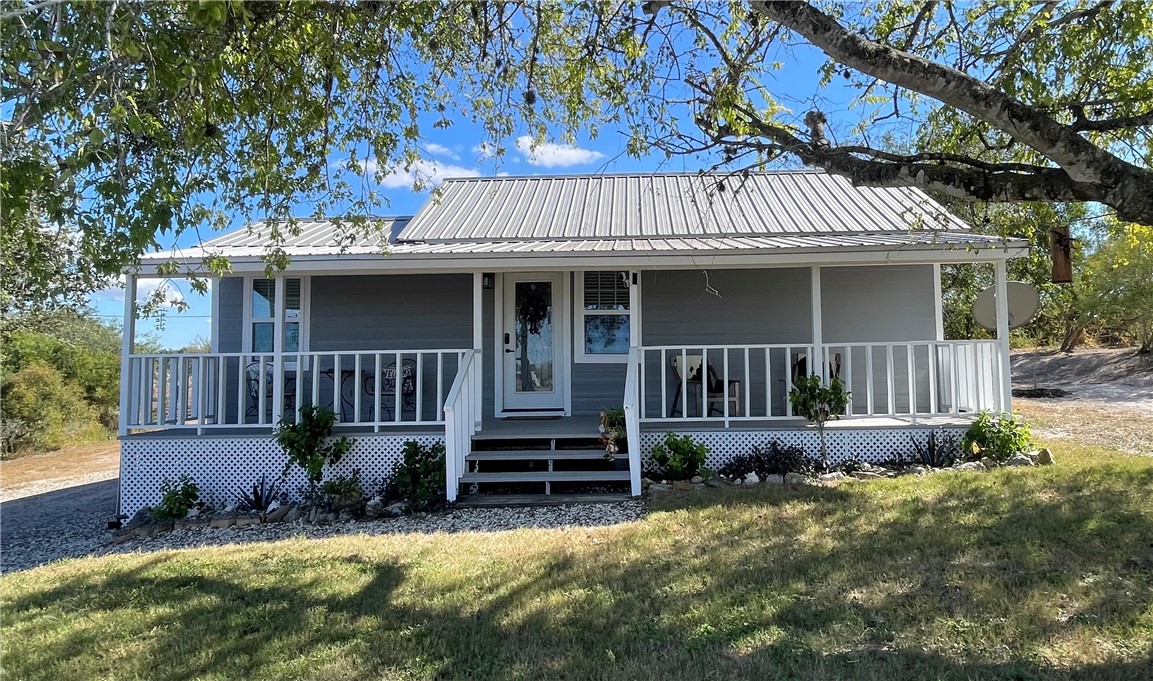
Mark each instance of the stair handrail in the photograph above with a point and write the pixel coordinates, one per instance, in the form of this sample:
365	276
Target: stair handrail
633	418
459	421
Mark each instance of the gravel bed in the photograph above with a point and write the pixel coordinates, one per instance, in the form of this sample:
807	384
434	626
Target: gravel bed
85	535
54	484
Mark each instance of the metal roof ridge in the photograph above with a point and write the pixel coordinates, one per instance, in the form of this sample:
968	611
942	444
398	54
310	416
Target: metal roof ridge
667	173
708	235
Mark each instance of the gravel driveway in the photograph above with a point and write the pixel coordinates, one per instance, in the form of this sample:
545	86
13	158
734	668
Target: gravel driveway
70	523
61	523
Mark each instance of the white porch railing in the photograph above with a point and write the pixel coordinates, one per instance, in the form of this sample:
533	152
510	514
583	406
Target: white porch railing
752	382
255	390
632	404
460	409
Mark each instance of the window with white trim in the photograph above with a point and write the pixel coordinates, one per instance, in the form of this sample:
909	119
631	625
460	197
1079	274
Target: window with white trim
603	316
264	312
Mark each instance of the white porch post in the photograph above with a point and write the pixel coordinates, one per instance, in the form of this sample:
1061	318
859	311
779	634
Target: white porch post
128	338
478	345
1005	394
278	353
817	363
938	303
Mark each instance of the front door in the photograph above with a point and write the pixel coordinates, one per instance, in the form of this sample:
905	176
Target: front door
534	371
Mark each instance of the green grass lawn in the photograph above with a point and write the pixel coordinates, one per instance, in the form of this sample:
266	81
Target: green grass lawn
1015	574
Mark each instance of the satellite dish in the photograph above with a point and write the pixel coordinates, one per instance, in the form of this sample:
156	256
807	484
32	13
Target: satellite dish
1023	304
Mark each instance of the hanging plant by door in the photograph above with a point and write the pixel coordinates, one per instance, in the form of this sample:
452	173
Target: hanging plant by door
534	307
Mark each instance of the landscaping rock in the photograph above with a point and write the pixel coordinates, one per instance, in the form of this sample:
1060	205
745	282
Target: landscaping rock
294	514
989	463
915	470
222	522
396	510
736	482
660	487
835	476
278	515
1019	460
698	486
970	466
374	507
866	475
772	479
646	483
697	480
244	521
795	479
752	479
717	481
682	485
1045	458
140	518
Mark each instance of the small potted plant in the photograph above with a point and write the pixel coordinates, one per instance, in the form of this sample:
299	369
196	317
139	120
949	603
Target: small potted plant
614	437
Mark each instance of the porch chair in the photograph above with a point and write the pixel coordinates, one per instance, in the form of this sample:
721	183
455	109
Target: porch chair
388	388
252	383
719	391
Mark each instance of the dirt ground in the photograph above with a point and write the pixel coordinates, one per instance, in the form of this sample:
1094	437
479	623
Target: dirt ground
78	464
1111	402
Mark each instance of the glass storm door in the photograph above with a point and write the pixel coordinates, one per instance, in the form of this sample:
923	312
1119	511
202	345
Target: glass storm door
534	368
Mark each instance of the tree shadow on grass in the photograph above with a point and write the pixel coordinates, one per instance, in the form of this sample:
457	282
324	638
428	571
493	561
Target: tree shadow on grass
972	579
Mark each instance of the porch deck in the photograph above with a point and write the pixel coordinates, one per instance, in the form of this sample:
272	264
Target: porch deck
584	426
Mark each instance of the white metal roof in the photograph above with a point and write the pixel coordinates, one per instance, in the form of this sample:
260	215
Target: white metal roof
315	234
650	215
668	205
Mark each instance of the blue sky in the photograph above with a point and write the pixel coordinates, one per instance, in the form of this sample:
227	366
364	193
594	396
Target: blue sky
459	152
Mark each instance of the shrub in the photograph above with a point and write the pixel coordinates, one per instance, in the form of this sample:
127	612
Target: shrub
41	411
940	451
259	497
176	498
997	437
680	458
345	492
818	403
308	441
772	458
420	477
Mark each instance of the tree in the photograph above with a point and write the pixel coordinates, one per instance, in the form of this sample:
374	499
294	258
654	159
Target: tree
1117	284
135	119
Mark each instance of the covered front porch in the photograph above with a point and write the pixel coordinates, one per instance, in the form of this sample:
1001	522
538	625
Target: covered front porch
718	365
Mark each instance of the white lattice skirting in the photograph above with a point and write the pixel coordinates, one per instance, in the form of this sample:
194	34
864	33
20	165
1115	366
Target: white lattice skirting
872	445
222	466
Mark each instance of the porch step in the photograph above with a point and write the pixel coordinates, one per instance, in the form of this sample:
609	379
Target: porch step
497	500
545	476
536	455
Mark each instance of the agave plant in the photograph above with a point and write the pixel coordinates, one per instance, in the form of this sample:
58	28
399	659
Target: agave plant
259	497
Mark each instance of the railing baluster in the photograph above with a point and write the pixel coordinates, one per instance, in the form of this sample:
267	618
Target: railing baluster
788	380
747	385
356	391
870	406
848	378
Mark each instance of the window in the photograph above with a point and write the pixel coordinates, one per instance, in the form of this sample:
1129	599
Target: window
264	314
603	316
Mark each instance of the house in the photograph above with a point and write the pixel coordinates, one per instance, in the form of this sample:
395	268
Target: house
520	307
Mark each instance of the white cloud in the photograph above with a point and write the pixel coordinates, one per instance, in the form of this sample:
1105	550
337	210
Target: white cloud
440	150
552	155
145	288
427	172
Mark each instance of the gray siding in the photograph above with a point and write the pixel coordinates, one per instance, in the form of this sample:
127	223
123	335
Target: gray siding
882	303
888	303
724	307
391	312
717	307
230	325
